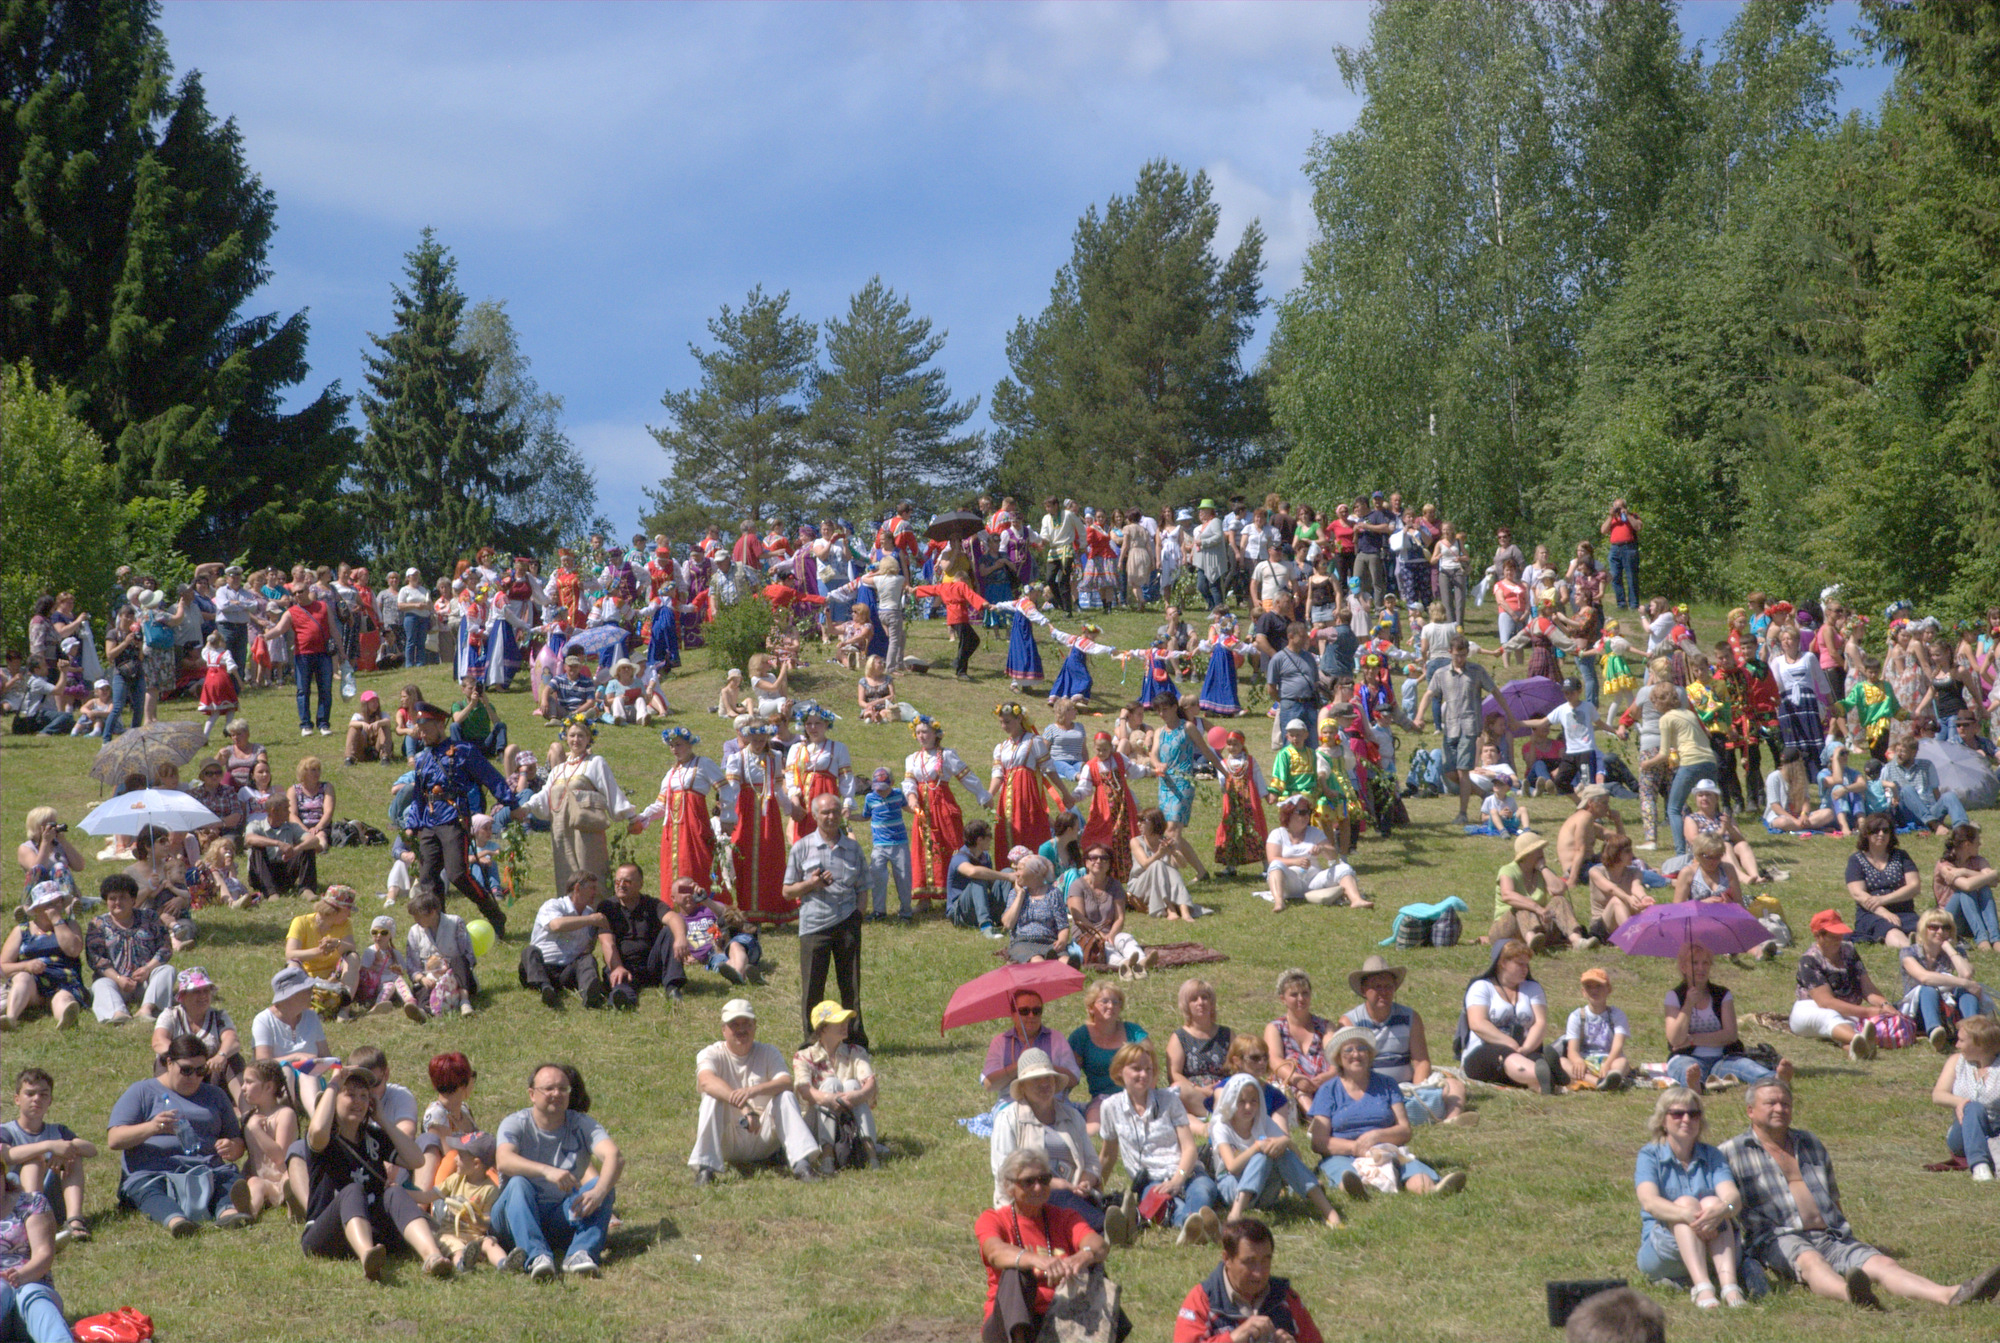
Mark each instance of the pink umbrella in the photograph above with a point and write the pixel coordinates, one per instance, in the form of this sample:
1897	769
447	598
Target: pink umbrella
1662	930
991	996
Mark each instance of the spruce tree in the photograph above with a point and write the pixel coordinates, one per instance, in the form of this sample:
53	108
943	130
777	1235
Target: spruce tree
436	460
132	232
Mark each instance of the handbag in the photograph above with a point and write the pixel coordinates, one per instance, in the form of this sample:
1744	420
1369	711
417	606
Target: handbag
585	809
123	1325
1085	1310
1446	929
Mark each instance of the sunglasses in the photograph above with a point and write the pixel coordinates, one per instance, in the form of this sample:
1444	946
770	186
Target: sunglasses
1097	858
1683	1114
189	1069
1034	1181
1027	1011
1256	1058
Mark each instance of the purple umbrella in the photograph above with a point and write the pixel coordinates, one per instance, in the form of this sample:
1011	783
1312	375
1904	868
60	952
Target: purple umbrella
1529	697
1662	930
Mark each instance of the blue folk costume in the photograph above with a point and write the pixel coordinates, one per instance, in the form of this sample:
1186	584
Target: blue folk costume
663	646
1073	677
1158	682
1024	655
447	779
1218	687
865	598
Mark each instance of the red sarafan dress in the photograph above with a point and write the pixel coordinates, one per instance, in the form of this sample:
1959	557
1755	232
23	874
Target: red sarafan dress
811	770
759	837
938	829
1020	794
1240	834
687	843
218	685
1114	815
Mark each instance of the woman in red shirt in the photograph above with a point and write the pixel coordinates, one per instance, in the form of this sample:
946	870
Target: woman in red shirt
960	601
1029	1247
1510	594
1342	527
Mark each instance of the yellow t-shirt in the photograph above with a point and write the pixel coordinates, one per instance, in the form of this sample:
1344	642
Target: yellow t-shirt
1682	732
307	931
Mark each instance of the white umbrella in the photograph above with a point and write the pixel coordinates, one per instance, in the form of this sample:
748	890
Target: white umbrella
129	813
1963	770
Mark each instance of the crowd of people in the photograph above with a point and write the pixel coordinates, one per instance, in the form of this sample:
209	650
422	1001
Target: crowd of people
1097	1135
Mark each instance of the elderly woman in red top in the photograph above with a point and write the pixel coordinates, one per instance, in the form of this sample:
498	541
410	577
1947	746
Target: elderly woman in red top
1029	1246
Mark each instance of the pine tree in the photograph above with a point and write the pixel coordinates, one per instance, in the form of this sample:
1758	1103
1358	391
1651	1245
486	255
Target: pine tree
132	232
737	444
436	462
1129	384
884	425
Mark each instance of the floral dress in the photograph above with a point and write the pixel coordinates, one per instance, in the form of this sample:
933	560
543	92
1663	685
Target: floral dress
1239	835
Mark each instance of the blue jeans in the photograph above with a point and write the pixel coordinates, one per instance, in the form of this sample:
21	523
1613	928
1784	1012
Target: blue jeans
974	905
1930	1006
125	691
1971	1135
490	745
1976	915
1212	594
1256	1180
309	670
1946	808
1586	670
1333	1167
32	1311
542	1222
1625	574
1199	1193
1739	1066
416	629
1685	778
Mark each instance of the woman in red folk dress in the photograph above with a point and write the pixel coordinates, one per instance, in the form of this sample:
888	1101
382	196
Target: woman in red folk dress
1240	835
1113	817
759	833
687	844
1020	783
937	825
814	766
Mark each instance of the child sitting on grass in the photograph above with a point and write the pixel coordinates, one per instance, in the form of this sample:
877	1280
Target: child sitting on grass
270	1127
1501	814
384	983
1594	1041
463	1209
876	694
50	1156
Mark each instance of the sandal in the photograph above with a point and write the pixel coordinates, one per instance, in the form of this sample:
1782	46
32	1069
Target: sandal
75	1229
1704	1297
1734	1296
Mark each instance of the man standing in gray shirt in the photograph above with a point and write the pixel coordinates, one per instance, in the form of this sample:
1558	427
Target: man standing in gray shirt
1461	689
824	874
1293	675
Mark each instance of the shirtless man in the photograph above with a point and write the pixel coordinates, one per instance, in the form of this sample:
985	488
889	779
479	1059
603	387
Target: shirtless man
1792	1219
1580	841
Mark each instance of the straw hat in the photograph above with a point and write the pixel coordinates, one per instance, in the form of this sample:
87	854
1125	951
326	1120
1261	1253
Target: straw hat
1528	842
1034	1063
1375	965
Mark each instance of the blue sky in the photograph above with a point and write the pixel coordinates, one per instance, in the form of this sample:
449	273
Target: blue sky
617	172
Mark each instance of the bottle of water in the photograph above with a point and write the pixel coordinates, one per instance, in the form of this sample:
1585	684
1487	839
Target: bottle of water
190	1140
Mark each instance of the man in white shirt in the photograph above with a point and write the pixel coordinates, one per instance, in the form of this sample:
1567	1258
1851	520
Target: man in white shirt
560	953
749	1109
1062	539
1273	577
413	604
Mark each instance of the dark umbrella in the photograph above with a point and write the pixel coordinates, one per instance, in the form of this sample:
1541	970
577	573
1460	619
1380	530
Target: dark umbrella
144	749
955	525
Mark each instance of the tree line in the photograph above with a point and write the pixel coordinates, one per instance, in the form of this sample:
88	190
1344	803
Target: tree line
1563	257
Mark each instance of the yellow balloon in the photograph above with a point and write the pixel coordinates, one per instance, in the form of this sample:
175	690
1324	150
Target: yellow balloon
482	935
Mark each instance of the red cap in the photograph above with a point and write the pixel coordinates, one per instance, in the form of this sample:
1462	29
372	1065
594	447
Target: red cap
1828	921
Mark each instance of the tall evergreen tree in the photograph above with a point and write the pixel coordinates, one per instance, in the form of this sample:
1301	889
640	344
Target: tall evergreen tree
1130	382
559	500
132	232
437	462
736	443
884	425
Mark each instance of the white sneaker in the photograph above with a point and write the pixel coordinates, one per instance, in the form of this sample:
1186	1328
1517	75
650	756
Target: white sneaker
1981	1173
1647	847
580	1265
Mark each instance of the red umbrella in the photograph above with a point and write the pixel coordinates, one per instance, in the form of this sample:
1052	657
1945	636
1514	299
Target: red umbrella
991	996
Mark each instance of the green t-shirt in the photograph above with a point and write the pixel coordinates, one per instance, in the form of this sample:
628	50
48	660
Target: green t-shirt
475	726
1539	892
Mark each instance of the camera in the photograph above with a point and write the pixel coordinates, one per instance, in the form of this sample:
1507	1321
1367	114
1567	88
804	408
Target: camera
60	827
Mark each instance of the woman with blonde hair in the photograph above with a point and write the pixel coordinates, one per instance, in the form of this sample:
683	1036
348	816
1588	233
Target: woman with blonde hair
1687	1204
1970	1085
1937	980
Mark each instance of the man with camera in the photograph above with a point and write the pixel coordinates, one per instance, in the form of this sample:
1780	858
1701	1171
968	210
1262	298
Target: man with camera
1621	528
474	719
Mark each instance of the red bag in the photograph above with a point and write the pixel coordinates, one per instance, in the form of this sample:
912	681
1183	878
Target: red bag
123	1325
260	652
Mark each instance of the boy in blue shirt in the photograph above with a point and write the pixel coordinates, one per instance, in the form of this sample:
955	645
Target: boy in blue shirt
883	806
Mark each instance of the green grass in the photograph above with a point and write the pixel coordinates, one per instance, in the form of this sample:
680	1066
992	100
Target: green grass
889	1255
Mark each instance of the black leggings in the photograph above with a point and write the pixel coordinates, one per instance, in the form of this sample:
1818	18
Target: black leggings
1487	1063
326	1235
968	644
